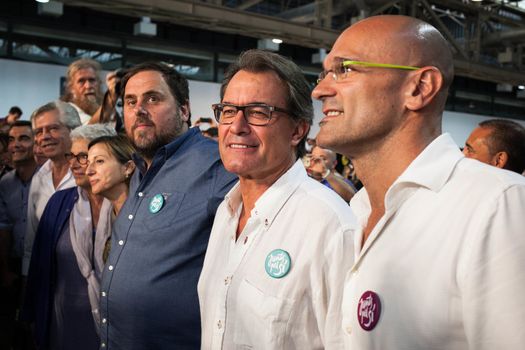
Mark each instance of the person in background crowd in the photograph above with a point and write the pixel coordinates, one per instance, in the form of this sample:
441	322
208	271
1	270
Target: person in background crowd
279	248
163	228
12	116
322	168
440	249
498	142
52	124
212	133
14	189
84	87
63	281
5	155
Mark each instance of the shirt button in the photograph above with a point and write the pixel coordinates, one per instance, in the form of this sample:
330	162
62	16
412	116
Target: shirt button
110	267
348	329
121	242
354	272
219	324
103	345
130	217
103	294
141	194
227	280
104	320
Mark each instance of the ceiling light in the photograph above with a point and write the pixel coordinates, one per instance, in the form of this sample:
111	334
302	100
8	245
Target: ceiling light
145	27
521	87
42	1
277	41
267	44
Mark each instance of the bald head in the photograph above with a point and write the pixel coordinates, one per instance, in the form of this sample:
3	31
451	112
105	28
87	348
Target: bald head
401	40
386	80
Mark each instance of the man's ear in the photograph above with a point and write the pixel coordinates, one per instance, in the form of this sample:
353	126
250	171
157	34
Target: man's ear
185	111
423	86
300	131
500	159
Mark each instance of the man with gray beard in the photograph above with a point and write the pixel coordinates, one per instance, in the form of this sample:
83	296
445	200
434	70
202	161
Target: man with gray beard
84	87
149	287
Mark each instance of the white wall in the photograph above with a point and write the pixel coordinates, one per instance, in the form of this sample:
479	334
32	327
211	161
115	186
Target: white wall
30	85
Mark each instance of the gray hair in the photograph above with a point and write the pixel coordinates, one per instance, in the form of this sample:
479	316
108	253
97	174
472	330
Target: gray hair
299	101
91	132
68	115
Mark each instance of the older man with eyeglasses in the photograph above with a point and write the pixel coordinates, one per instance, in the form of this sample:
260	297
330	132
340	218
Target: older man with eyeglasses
52	124
440	249
281	242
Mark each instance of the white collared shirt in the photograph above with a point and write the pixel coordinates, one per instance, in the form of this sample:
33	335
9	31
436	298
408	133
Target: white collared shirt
242	305
41	190
447	260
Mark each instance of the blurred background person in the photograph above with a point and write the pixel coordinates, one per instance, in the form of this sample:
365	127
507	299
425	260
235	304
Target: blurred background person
321	167
5	156
498	142
14	189
66	264
83	88
12	116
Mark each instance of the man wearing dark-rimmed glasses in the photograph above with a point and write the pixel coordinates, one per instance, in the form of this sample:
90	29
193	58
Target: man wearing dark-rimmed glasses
440	249
280	243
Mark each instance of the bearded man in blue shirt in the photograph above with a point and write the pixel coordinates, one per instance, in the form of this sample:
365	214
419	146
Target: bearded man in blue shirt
149	287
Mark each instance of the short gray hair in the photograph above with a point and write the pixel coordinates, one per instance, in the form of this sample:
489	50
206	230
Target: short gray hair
68	115
299	100
91	132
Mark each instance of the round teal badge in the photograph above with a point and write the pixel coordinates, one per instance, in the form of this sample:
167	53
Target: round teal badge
156	203
278	263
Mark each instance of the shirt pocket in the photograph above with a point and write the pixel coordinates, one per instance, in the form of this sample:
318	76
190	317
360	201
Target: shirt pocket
166	215
261	319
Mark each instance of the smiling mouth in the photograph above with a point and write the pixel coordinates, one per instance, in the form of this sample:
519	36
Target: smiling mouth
334	113
240	146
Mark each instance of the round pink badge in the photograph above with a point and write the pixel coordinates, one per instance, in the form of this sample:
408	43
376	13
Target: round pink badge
368	310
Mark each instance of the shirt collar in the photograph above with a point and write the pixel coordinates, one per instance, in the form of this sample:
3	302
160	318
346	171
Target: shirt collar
431	169
273	199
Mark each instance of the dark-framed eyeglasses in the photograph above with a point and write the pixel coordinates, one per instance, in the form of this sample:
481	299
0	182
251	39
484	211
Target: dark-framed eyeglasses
82	158
258	114
340	69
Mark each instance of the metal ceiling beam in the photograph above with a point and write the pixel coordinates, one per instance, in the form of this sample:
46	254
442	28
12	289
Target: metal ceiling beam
222	19
247	4
509	36
212	17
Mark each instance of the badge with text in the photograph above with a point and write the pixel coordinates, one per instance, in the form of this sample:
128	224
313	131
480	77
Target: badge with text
278	263
156	203
368	310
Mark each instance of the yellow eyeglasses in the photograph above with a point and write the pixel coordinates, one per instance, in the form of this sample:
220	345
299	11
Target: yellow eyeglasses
340	69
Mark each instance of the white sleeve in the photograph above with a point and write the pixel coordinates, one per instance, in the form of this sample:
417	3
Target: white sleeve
31	227
327	301
493	289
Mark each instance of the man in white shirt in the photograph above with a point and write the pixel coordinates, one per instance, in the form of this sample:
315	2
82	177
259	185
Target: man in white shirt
52	124
281	242
440	249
